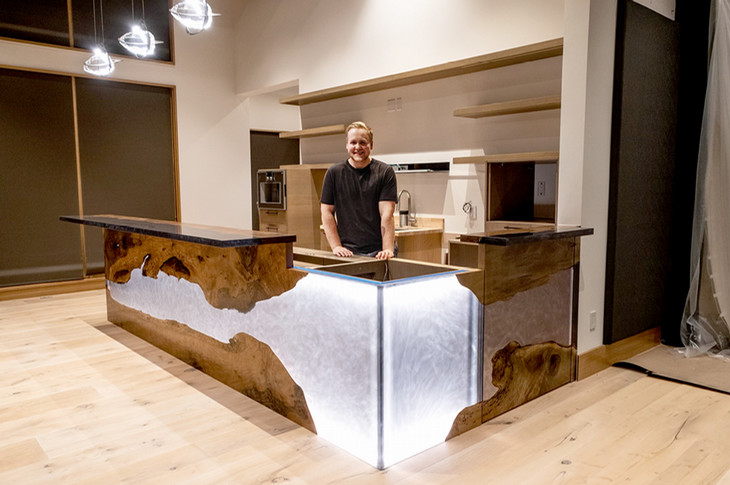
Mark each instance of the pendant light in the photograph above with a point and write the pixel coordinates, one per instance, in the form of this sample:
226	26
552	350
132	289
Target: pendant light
139	41
100	63
195	15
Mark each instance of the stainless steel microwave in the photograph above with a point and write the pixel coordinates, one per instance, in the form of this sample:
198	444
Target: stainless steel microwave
272	189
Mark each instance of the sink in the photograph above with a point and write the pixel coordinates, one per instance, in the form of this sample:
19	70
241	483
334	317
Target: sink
386	270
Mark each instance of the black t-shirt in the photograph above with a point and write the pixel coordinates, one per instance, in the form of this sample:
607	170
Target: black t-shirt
355	193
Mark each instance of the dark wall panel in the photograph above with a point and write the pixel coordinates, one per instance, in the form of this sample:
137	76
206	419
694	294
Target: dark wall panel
642	171
126	152
37	179
43	21
118	21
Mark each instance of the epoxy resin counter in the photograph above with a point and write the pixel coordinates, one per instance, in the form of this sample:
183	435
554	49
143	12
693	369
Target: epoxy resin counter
377	357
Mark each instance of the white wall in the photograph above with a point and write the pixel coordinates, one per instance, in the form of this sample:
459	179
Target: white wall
213	126
324	43
596	167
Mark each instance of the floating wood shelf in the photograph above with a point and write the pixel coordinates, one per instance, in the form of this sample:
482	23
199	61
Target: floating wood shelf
509	107
537	157
312	132
517	55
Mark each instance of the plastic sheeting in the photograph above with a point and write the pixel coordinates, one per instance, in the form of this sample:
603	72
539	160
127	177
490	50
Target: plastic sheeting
705	326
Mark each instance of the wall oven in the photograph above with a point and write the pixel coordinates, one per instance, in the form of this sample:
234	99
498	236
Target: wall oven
272	189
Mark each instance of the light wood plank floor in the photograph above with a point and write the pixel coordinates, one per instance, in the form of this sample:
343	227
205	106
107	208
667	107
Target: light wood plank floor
82	401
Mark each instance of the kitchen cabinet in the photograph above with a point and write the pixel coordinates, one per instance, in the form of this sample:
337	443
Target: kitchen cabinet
302	215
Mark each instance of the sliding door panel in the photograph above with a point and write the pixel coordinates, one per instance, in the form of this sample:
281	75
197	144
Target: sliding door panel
126	152
37	179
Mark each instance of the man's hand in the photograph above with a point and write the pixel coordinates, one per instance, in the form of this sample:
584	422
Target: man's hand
384	254
342	251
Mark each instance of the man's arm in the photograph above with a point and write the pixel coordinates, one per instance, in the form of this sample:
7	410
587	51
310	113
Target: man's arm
387	229
330	230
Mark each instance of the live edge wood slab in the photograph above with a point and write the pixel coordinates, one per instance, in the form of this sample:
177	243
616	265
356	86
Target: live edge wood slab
529	289
235	269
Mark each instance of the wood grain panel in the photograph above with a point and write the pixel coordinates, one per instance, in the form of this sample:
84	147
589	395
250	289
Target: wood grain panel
512	269
313	132
515	157
509	107
521	373
229	277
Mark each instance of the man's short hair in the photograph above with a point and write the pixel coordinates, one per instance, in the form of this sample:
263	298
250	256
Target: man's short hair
359	125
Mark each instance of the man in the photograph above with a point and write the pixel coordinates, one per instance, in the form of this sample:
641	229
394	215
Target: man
358	200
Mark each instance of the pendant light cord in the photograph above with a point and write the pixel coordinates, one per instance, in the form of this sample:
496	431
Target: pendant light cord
93	10
101	16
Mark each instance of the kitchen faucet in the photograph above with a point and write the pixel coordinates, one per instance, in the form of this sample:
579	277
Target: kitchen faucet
404	213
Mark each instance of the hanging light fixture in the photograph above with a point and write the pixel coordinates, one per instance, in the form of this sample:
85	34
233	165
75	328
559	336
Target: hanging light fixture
100	63
195	15
139	41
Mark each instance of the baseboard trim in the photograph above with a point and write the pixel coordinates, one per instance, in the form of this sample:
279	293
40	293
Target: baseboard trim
55	288
603	357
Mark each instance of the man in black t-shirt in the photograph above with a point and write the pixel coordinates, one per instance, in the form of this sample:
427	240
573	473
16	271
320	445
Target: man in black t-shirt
358	200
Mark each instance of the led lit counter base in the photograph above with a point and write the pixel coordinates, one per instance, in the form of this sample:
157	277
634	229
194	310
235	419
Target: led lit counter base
377	357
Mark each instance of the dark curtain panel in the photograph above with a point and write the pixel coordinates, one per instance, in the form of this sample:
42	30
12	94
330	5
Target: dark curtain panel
126	152
37	179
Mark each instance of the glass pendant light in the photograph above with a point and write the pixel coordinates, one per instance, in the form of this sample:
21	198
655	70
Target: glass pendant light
100	63
139	41
195	15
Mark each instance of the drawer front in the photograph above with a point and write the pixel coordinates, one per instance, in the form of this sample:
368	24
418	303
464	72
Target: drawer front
271	217
269	227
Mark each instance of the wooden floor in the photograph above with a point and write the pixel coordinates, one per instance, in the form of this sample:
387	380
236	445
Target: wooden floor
82	401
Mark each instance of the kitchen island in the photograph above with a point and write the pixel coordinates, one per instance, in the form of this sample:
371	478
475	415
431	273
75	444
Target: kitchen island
378	357
382	358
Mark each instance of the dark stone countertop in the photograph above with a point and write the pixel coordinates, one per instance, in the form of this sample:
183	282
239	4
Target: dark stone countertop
507	236
212	236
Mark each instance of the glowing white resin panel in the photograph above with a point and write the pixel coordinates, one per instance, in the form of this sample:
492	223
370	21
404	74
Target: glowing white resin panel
384	367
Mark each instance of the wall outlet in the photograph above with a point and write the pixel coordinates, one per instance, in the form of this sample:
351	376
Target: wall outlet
592	319
541	187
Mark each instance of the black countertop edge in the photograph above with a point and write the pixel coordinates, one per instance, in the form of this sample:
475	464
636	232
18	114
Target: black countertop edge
509	239
212	236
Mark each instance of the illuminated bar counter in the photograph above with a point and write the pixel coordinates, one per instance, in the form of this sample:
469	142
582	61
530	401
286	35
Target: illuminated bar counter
377	357
382	358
